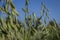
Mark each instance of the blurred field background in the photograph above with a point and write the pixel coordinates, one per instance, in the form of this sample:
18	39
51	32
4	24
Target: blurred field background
29	26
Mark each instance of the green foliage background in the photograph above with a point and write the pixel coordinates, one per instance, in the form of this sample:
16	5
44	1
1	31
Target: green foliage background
31	29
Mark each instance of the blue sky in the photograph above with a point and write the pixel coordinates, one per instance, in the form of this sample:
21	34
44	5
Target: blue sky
35	6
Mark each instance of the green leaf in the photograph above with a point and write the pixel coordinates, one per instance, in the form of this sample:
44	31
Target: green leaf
34	15
25	10
47	15
27	2
12	5
14	12
6	7
44	21
43	5
40	18
1	9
